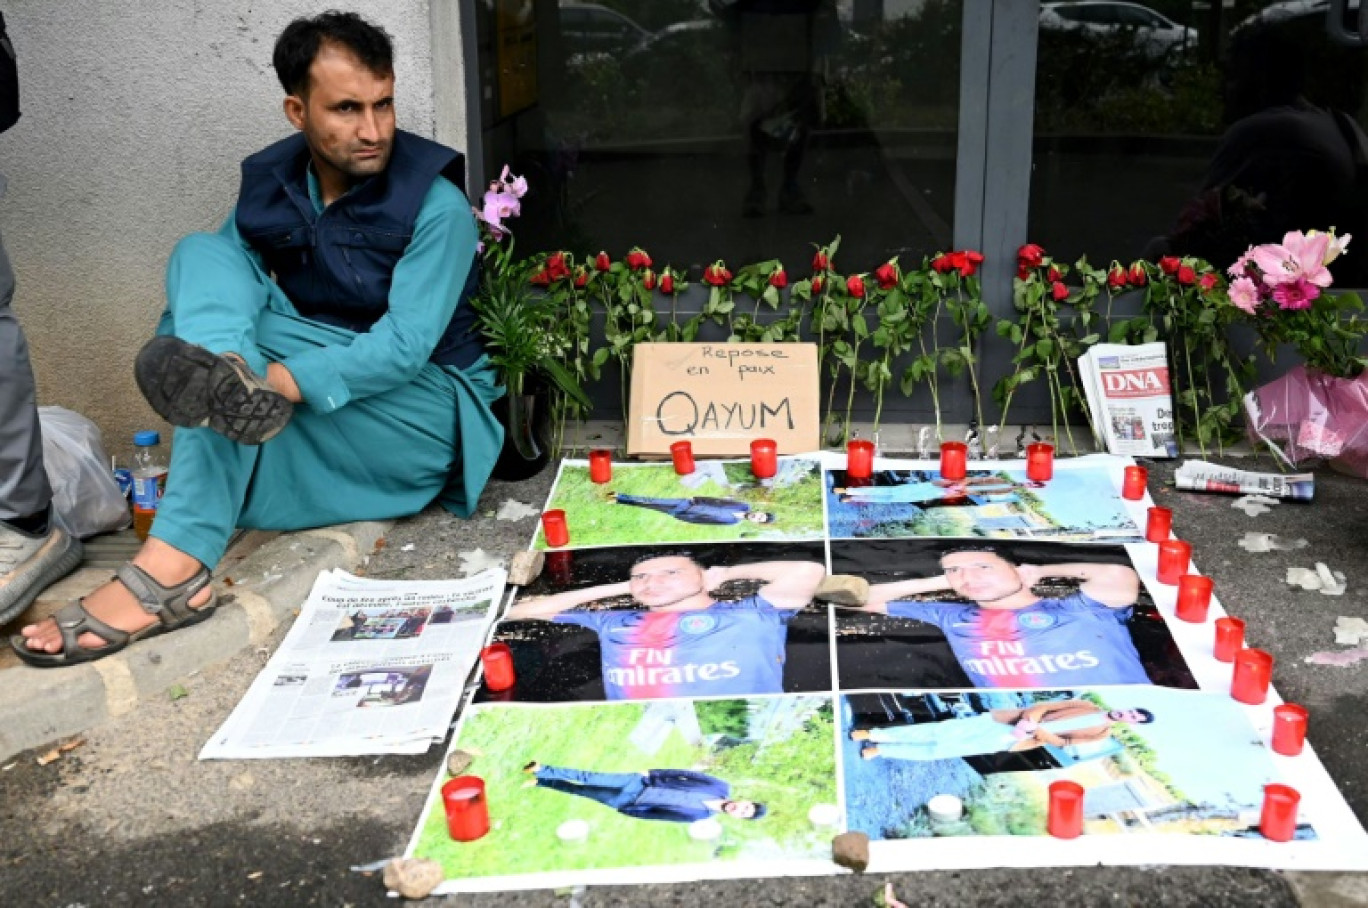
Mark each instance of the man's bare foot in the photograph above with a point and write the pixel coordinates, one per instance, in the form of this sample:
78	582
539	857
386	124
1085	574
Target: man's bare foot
859	734
869	752
115	605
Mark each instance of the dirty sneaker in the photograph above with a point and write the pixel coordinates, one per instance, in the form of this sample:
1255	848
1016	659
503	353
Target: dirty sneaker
189	386
30	563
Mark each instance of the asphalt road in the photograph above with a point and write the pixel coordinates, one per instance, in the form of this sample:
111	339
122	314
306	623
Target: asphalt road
132	818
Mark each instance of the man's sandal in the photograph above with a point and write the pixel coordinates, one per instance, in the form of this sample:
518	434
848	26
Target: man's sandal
189	386
171	605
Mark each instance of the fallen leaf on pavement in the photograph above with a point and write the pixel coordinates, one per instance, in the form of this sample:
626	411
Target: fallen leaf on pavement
177	692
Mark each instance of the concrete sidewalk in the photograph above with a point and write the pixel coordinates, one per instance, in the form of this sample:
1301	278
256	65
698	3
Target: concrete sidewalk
261	583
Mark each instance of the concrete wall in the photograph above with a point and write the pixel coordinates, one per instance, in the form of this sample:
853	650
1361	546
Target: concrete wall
135	117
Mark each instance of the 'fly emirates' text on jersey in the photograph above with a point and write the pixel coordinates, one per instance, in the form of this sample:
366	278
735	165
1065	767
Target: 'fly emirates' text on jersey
727	648
1052	643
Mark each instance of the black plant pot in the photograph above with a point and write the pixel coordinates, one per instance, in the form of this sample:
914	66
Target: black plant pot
526	420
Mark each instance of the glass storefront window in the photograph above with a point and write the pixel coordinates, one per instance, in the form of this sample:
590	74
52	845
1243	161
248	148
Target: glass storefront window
1196	128
736	129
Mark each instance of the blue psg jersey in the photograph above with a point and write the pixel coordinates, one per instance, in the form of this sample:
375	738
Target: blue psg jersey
1052	643
728	648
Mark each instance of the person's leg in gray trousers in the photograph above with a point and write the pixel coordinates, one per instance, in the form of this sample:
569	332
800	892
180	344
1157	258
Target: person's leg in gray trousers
34	552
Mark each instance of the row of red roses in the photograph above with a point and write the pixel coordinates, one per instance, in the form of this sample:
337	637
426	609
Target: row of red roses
1031	257
886	276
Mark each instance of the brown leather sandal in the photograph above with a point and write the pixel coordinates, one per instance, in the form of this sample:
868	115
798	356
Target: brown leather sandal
171	605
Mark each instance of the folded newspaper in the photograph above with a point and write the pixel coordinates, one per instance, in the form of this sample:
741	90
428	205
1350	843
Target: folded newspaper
1200	476
370	667
1129	398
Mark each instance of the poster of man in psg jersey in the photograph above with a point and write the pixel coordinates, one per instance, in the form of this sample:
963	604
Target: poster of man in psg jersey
989	614
648	622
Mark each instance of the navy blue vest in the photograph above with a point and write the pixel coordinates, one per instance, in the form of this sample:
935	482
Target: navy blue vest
336	267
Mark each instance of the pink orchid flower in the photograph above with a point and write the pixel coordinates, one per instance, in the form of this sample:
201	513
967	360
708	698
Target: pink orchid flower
1300	257
515	185
500	205
1244	294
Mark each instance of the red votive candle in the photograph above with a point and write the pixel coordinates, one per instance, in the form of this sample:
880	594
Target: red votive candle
497	659
1159	524
1229	639
1174	557
1289	729
954	460
1194	597
554	528
600	465
1253	674
681	452
1065	820
1133	486
1040	462
859	458
1278	819
467	811
764	458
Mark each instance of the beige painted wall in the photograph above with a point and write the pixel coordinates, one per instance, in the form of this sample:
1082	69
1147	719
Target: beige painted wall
135	117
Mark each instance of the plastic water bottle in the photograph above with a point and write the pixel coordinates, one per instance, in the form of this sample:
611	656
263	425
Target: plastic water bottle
149	480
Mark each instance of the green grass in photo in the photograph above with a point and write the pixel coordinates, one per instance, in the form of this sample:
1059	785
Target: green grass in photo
791	769
594	519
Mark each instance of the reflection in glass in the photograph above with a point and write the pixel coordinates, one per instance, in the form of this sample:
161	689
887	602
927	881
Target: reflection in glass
1208	129
737	129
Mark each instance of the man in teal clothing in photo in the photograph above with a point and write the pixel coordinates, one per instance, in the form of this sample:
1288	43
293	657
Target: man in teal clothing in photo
318	352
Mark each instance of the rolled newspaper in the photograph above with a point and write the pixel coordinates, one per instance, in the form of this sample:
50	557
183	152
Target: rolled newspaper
1201	476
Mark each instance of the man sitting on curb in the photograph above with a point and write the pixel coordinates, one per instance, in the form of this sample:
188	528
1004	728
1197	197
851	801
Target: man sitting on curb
375	397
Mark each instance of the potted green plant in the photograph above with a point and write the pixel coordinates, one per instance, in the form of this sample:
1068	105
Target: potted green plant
520	331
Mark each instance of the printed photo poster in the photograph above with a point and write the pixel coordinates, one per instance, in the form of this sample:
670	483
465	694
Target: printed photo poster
642	792
720	501
1081	503
648	622
975	613
1179	774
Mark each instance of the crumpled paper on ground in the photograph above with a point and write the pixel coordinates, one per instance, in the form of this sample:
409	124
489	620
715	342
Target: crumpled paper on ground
512	509
1256	543
1328	582
1254	505
473	562
1348	632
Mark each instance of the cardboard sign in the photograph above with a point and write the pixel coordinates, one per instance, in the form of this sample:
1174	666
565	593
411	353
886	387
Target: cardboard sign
720	397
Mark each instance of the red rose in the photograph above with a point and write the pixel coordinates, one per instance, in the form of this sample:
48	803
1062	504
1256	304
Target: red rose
637	259
1169	264
816	285
556	268
969	262
1138	276
1030	255
581	277
1054	275
855	286
1208	281
667	283
541	278
1116	278
716	274
602	262
887	276
1186	275
779	279
1023	273
820	262
648	279
942	264
1059	291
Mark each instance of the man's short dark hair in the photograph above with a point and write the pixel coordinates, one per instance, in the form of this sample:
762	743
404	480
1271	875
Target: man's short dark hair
1148	716
674	553
980	549
298	45
760	810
